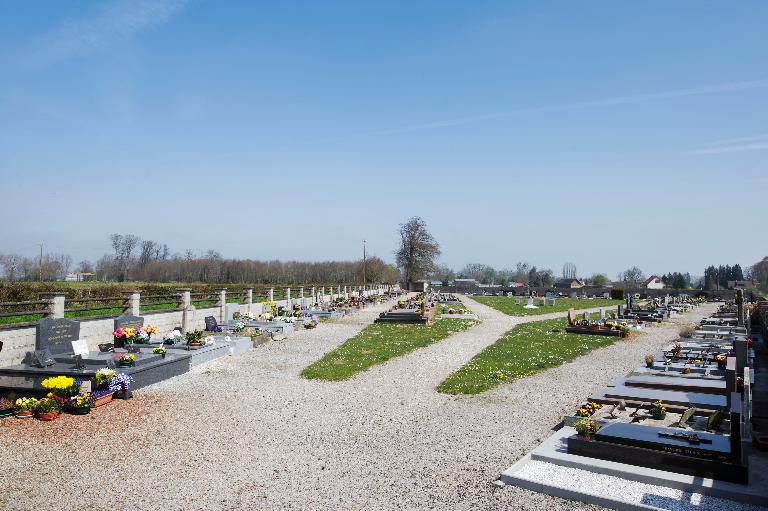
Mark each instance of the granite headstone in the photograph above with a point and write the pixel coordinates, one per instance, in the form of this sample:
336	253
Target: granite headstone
56	335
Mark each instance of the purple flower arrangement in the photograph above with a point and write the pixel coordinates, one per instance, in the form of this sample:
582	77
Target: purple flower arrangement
121	381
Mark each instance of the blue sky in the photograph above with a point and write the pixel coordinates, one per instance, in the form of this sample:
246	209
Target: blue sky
608	134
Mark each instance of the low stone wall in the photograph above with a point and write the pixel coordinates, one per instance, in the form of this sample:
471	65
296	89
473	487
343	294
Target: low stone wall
18	341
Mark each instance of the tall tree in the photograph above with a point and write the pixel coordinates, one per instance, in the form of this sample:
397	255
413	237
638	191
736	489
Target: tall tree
632	277
418	250
569	271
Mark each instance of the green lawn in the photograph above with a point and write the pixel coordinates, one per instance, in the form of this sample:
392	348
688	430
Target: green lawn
506	304
524	350
376	344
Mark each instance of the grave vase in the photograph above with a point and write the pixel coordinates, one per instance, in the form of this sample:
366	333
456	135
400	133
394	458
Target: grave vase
24	414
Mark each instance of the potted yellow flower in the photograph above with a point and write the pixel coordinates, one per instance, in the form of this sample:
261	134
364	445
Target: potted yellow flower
25	407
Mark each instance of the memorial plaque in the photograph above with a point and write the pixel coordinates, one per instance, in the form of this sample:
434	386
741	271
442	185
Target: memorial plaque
106	347
231	309
80	348
56	335
128	321
210	324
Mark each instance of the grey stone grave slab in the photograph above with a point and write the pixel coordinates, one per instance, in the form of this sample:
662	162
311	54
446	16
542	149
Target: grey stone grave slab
128	321
683	384
231	309
669	397
56	335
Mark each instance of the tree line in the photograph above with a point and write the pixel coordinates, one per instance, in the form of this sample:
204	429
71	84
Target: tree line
134	259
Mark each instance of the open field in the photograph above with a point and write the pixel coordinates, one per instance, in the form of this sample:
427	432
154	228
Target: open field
506	304
377	343
524	350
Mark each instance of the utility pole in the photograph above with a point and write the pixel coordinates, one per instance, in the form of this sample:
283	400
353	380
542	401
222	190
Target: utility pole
40	266
364	262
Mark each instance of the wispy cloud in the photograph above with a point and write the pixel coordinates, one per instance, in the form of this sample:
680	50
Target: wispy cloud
620	100
732	148
114	20
742	140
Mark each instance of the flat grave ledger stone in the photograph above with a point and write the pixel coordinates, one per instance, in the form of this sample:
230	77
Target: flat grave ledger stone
128	321
669	397
56	335
699	454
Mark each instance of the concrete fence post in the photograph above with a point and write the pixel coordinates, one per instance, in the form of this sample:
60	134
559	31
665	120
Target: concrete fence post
221	303
314	295
248	298
301	292
55	307
132	303
271	294
187	309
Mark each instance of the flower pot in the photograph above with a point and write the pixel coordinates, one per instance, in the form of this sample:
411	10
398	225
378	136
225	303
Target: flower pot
660	416
194	344
101	401
24	414
586	438
80	410
126	364
6	413
47	416
649	364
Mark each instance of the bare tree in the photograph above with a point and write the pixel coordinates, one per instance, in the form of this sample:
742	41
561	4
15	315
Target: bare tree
631	277
418	250
569	271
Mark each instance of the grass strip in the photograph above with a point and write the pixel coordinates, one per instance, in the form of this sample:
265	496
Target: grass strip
523	351
506	304
377	343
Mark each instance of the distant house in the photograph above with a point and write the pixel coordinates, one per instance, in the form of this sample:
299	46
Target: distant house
465	283
737	284
653	282
515	284
435	283
569	284
79	276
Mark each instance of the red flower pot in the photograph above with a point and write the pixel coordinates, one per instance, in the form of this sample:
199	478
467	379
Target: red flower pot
48	416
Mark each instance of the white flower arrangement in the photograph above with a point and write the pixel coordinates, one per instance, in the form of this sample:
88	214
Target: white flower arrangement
247	316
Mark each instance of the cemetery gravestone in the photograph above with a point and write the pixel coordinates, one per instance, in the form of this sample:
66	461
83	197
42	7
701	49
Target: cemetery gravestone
606	296
56	335
231	309
210	324
128	321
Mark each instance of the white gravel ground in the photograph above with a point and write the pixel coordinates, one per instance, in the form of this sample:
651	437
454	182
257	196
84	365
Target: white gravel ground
247	432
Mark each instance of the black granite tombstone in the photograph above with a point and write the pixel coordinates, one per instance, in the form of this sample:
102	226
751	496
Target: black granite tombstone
700	454
57	335
210	324
128	321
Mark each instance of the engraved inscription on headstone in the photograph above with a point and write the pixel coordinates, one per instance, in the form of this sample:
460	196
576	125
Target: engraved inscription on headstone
210	323
128	321
57	335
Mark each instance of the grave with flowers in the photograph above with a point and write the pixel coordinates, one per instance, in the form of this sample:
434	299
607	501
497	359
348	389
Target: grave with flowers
59	351
681	420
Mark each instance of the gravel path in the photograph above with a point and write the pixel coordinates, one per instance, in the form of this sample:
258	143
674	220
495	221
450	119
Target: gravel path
247	432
